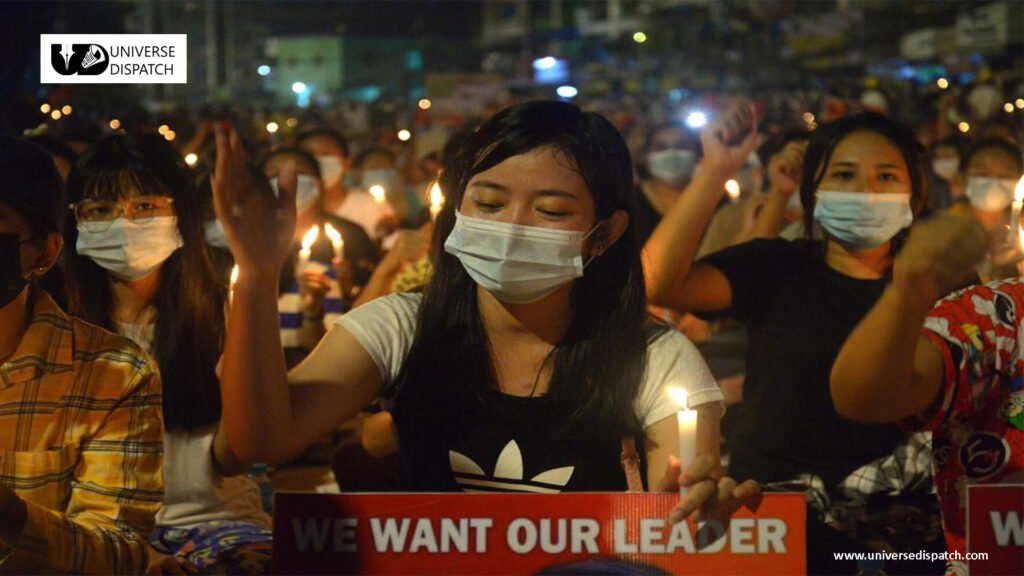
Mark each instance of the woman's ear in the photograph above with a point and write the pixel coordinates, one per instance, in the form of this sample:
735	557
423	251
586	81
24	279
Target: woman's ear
609	233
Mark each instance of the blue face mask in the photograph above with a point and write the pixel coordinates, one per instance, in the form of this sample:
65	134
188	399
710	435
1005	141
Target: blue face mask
860	221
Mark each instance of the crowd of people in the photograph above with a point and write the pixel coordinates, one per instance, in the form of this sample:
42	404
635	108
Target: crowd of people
838	300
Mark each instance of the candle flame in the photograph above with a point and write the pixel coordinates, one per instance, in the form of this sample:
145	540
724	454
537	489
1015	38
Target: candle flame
732	187
1018	192
310	237
333	234
679	396
436	196
378	193
234	276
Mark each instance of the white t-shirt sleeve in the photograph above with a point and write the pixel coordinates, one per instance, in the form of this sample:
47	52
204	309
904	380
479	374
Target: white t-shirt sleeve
385	327
674	362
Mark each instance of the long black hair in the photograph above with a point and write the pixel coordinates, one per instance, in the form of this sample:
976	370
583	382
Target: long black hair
823	143
597	367
189	302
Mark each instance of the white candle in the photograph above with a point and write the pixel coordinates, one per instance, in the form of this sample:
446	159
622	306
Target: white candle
231	285
337	242
436	200
687	425
378	192
307	245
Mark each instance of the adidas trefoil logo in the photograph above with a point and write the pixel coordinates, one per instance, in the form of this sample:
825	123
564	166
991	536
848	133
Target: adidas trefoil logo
508	474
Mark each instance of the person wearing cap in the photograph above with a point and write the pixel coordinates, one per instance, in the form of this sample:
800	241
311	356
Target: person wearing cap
81	427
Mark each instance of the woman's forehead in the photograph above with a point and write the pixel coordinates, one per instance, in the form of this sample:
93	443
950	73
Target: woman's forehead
867	147
540	168
993	159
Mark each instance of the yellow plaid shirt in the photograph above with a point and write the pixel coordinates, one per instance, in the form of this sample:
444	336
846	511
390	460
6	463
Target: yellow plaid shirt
81	442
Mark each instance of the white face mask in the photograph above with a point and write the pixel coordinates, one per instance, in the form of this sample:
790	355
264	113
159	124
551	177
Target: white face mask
946	168
518	264
671	165
213	230
130	249
306	192
989	194
860	221
331	169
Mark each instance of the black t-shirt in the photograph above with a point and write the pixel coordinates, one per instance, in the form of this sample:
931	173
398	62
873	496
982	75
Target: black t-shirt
513	444
798	313
517	449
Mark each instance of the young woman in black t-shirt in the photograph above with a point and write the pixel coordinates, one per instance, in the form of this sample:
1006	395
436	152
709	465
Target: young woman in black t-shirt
863	183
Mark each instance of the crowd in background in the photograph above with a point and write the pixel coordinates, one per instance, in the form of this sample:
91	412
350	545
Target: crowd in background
757	246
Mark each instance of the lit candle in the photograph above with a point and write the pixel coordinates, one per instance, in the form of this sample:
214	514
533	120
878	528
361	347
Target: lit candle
436	200
687	422
336	241
231	285
306	251
732	188
378	193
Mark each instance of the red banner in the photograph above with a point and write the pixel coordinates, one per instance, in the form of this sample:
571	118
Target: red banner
528	533
995	526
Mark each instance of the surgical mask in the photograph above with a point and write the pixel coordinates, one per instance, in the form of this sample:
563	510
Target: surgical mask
386	177
989	194
129	249
671	165
213	230
518	264
331	169
860	221
11	280
307	190
946	168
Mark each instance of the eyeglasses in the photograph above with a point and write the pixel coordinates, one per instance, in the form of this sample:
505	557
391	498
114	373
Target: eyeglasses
100	212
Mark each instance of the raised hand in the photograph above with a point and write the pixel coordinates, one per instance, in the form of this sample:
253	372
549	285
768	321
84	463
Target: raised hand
729	139
940	256
785	167
259	227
